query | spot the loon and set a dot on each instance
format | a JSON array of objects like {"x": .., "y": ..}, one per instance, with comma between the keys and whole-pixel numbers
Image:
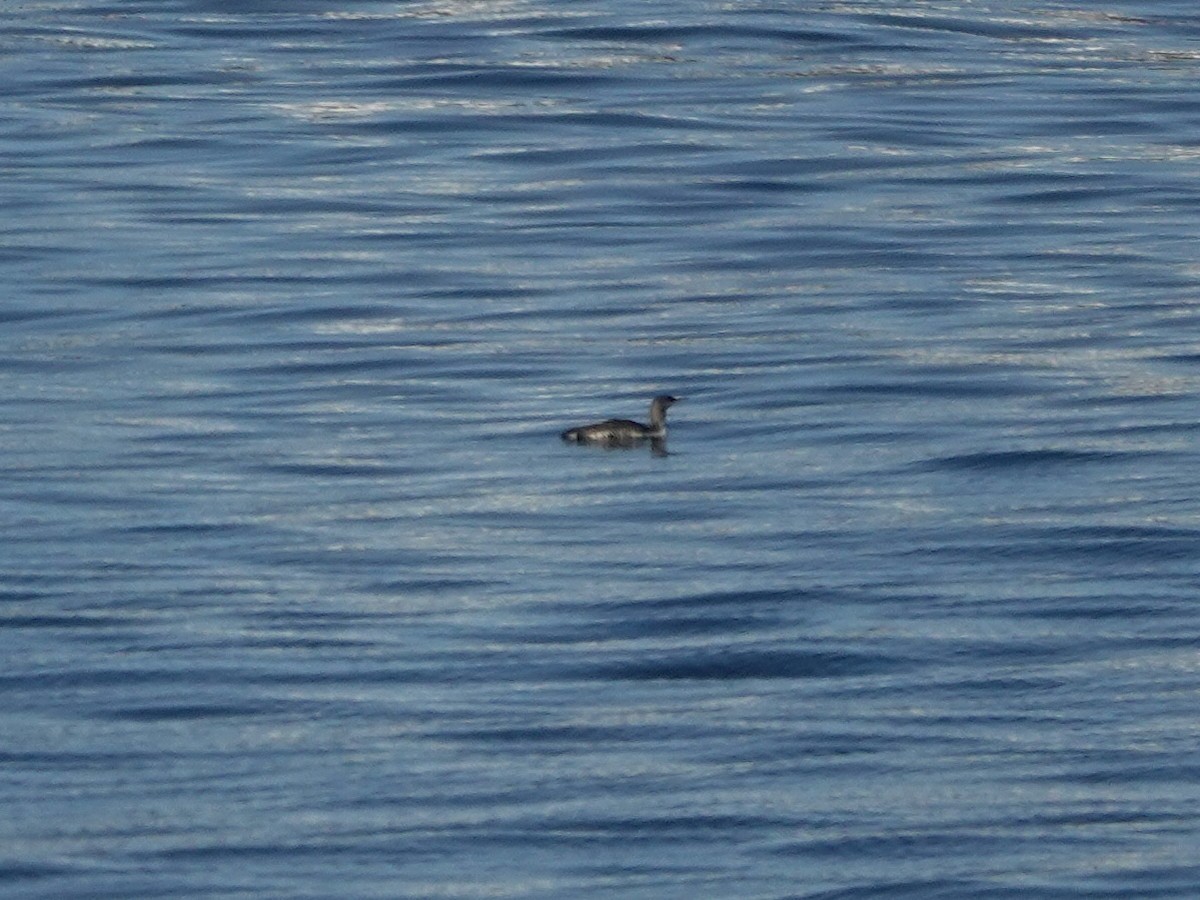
[{"x": 625, "y": 432}]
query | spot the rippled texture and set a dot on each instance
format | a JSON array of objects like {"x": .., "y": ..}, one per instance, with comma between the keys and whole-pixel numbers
[{"x": 301, "y": 595}]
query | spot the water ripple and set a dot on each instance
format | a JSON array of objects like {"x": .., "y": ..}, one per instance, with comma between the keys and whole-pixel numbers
[{"x": 300, "y": 585}]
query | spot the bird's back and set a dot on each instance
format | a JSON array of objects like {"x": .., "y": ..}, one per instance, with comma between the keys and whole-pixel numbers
[{"x": 607, "y": 432}]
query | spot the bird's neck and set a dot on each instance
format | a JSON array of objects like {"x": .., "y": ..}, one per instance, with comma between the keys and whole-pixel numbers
[{"x": 658, "y": 417}]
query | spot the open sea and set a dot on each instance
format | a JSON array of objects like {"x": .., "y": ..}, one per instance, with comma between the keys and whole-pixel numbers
[{"x": 301, "y": 596}]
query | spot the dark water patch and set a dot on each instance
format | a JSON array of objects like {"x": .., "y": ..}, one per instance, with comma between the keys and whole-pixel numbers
[
  {"x": 193, "y": 280},
  {"x": 479, "y": 670},
  {"x": 326, "y": 367},
  {"x": 663, "y": 830},
  {"x": 339, "y": 469},
  {"x": 1125, "y": 543},
  {"x": 1109, "y": 556},
  {"x": 549, "y": 738},
  {"x": 189, "y": 712},
  {"x": 318, "y": 618},
  {"x": 136, "y": 82},
  {"x": 651, "y": 122},
  {"x": 477, "y": 290},
  {"x": 818, "y": 168},
  {"x": 680, "y": 626},
  {"x": 159, "y": 146},
  {"x": 735, "y": 665},
  {"x": 1018, "y": 460},
  {"x": 15, "y": 873},
  {"x": 764, "y": 186},
  {"x": 285, "y": 28},
  {"x": 93, "y": 759},
  {"x": 750, "y": 599},
  {"x": 1166, "y": 771},
  {"x": 60, "y": 621},
  {"x": 1064, "y": 196},
  {"x": 1095, "y": 401},
  {"x": 267, "y": 851},
  {"x": 293, "y": 315},
  {"x": 840, "y": 753},
  {"x": 674, "y": 33},
  {"x": 1117, "y": 125},
  {"x": 320, "y": 644},
  {"x": 12, "y": 595},
  {"x": 932, "y": 889},
  {"x": 1164, "y": 880},
  {"x": 12, "y": 252},
  {"x": 507, "y": 79},
  {"x": 373, "y": 207},
  {"x": 1188, "y": 358},
  {"x": 952, "y": 388},
  {"x": 1081, "y": 814},
  {"x": 591, "y": 154},
  {"x": 1134, "y": 609},
  {"x": 195, "y": 529},
  {"x": 417, "y": 585},
  {"x": 1013, "y": 685},
  {"x": 908, "y": 843},
  {"x": 996, "y": 657},
  {"x": 94, "y": 679},
  {"x": 442, "y": 127},
  {"x": 265, "y": 346},
  {"x": 976, "y": 26},
  {"x": 60, "y": 363},
  {"x": 389, "y": 557},
  {"x": 594, "y": 633}
]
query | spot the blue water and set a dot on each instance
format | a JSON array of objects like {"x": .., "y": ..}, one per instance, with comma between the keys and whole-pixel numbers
[{"x": 301, "y": 595}]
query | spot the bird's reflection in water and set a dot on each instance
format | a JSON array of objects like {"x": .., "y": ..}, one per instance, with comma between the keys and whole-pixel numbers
[{"x": 657, "y": 445}]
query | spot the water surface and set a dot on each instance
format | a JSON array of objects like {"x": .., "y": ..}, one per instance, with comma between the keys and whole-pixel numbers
[{"x": 301, "y": 595}]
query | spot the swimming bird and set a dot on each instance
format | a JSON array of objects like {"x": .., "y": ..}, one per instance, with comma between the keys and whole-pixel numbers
[{"x": 625, "y": 432}]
